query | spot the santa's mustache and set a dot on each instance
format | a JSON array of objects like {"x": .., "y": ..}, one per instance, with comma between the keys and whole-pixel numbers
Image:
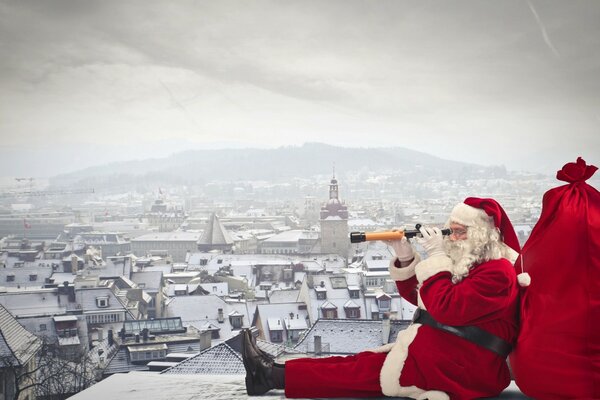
[{"x": 457, "y": 249}]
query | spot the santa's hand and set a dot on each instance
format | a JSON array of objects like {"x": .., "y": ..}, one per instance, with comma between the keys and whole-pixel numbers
[
  {"x": 403, "y": 249},
  {"x": 432, "y": 241}
]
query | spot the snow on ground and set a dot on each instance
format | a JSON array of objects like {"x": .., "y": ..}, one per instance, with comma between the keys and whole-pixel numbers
[{"x": 149, "y": 385}]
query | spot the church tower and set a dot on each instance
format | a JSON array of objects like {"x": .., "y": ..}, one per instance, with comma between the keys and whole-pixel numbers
[{"x": 334, "y": 223}]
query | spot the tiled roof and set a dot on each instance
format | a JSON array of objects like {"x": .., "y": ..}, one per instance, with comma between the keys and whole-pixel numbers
[
  {"x": 219, "y": 360},
  {"x": 17, "y": 345},
  {"x": 345, "y": 336},
  {"x": 215, "y": 233}
]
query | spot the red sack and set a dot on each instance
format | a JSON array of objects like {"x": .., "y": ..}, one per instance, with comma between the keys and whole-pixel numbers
[{"x": 557, "y": 354}]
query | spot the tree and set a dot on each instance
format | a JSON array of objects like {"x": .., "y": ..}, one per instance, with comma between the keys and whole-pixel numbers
[{"x": 47, "y": 373}]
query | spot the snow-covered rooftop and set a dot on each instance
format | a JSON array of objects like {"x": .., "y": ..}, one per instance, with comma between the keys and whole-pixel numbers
[{"x": 150, "y": 385}]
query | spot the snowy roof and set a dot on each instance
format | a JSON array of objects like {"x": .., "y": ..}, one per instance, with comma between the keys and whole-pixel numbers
[
  {"x": 215, "y": 233},
  {"x": 290, "y": 236},
  {"x": 29, "y": 303},
  {"x": 278, "y": 311},
  {"x": 176, "y": 236},
  {"x": 197, "y": 311},
  {"x": 220, "y": 359},
  {"x": 17, "y": 345},
  {"x": 284, "y": 296},
  {"x": 274, "y": 324},
  {"x": 151, "y": 280},
  {"x": 345, "y": 336},
  {"x": 164, "y": 386}
]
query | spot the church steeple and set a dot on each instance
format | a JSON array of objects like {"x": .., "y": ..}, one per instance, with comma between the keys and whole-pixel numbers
[{"x": 333, "y": 186}]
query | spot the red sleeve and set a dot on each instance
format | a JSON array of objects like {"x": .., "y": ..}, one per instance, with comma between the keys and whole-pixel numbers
[
  {"x": 408, "y": 289},
  {"x": 477, "y": 298}
]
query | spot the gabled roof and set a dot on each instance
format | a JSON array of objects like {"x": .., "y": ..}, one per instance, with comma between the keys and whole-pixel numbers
[
  {"x": 215, "y": 233},
  {"x": 17, "y": 345},
  {"x": 217, "y": 360}
]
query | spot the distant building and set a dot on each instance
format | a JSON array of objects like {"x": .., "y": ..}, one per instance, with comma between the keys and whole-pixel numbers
[
  {"x": 334, "y": 223},
  {"x": 47, "y": 225},
  {"x": 215, "y": 237},
  {"x": 145, "y": 345},
  {"x": 166, "y": 218},
  {"x": 177, "y": 244}
]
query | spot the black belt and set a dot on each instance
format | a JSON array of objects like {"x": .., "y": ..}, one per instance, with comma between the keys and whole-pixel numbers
[{"x": 471, "y": 333}]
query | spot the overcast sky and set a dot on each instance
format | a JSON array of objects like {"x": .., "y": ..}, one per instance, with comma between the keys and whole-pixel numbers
[{"x": 511, "y": 82}]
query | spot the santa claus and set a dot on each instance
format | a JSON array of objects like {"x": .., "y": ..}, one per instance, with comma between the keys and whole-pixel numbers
[{"x": 466, "y": 292}]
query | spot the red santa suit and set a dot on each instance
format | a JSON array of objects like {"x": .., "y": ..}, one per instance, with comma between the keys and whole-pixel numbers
[{"x": 426, "y": 362}]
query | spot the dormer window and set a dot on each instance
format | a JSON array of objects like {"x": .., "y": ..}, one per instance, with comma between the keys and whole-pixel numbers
[
  {"x": 321, "y": 293},
  {"x": 32, "y": 277},
  {"x": 384, "y": 302},
  {"x": 10, "y": 278},
  {"x": 102, "y": 302},
  {"x": 236, "y": 322}
]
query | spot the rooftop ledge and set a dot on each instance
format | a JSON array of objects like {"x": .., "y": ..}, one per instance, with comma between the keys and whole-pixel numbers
[{"x": 150, "y": 385}]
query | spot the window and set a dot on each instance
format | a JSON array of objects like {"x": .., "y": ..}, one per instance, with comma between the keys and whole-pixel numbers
[
  {"x": 10, "y": 278},
  {"x": 236, "y": 322},
  {"x": 219, "y": 261},
  {"x": 276, "y": 336},
  {"x": 353, "y": 313},
  {"x": 384, "y": 304},
  {"x": 42, "y": 327},
  {"x": 102, "y": 302},
  {"x": 354, "y": 294},
  {"x": 33, "y": 277},
  {"x": 330, "y": 314}
]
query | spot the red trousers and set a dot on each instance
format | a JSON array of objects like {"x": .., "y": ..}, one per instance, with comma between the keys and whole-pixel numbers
[{"x": 351, "y": 376}]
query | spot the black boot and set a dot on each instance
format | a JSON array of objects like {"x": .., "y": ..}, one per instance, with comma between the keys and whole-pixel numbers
[
  {"x": 259, "y": 368},
  {"x": 252, "y": 342}
]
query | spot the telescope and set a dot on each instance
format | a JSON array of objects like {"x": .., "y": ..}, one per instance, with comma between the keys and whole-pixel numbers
[{"x": 359, "y": 237}]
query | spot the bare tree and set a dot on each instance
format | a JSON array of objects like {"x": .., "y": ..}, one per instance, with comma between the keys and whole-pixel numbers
[{"x": 48, "y": 374}]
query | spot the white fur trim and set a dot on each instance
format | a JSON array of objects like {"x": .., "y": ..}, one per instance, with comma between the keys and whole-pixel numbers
[
  {"x": 431, "y": 266},
  {"x": 420, "y": 301},
  {"x": 524, "y": 279},
  {"x": 386, "y": 348},
  {"x": 433, "y": 395},
  {"x": 404, "y": 273},
  {"x": 467, "y": 215},
  {"x": 389, "y": 377},
  {"x": 511, "y": 255}
]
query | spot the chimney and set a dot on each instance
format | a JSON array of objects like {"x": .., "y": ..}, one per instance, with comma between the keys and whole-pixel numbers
[
  {"x": 111, "y": 339},
  {"x": 137, "y": 337},
  {"x": 385, "y": 328},
  {"x": 71, "y": 293},
  {"x": 145, "y": 334},
  {"x": 318, "y": 347},
  {"x": 220, "y": 318},
  {"x": 74, "y": 265}
]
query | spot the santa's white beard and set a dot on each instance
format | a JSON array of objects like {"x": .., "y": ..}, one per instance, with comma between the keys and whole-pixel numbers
[{"x": 463, "y": 255}]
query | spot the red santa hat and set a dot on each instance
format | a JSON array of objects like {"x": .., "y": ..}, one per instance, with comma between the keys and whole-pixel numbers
[{"x": 483, "y": 212}]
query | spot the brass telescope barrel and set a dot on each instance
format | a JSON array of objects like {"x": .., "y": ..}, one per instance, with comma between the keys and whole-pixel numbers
[{"x": 359, "y": 237}]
